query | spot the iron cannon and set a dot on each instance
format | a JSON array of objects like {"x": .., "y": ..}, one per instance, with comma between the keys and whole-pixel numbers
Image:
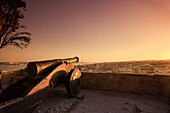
[{"x": 36, "y": 81}]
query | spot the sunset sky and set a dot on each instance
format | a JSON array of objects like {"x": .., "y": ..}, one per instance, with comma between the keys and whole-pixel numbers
[{"x": 95, "y": 30}]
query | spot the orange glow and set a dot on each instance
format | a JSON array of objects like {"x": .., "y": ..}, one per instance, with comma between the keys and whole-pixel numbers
[{"x": 96, "y": 31}]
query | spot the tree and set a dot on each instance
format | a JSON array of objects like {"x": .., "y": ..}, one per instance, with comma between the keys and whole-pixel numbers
[{"x": 10, "y": 16}]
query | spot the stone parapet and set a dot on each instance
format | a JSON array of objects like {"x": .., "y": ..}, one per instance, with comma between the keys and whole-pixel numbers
[{"x": 157, "y": 85}]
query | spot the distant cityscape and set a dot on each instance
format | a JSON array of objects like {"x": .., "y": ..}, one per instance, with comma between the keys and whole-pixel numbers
[
  {"x": 150, "y": 67},
  {"x": 161, "y": 67}
]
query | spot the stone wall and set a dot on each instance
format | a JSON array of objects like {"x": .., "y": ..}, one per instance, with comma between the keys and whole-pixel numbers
[
  {"x": 8, "y": 77},
  {"x": 128, "y": 83}
]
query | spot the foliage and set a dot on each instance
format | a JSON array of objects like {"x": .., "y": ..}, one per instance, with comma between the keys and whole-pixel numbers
[{"x": 10, "y": 16}]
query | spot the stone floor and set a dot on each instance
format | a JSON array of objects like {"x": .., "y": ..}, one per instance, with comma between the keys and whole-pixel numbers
[{"x": 90, "y": 101}]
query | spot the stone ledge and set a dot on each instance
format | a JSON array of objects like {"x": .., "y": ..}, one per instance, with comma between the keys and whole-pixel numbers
[{"x": 157, "y": 85}]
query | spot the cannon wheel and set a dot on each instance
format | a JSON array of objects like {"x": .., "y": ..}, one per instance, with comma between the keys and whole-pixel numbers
[{"x": 73, "y": 82}]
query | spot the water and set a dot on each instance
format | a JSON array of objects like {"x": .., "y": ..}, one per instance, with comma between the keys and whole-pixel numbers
[{"x": 11, "y": 67}]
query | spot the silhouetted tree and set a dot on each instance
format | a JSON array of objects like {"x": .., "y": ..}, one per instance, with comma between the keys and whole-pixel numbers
[{"x": 10, "y": 16}]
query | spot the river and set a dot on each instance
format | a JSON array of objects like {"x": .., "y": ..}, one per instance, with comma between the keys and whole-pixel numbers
[{"x": 11, "y": 67}]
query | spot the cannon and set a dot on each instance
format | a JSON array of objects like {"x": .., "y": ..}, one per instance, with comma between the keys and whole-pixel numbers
[{"x": 40, "y": 77}]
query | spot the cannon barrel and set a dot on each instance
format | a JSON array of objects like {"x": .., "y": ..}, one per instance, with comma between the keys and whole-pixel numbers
[{"x": 34, "y": 68}]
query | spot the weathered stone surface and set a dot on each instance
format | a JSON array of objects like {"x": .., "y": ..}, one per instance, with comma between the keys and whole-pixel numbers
[{"x": 129, "y": 83}]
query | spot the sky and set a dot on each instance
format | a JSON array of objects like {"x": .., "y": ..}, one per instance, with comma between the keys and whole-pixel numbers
[{"x": 95, "y": 30}]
